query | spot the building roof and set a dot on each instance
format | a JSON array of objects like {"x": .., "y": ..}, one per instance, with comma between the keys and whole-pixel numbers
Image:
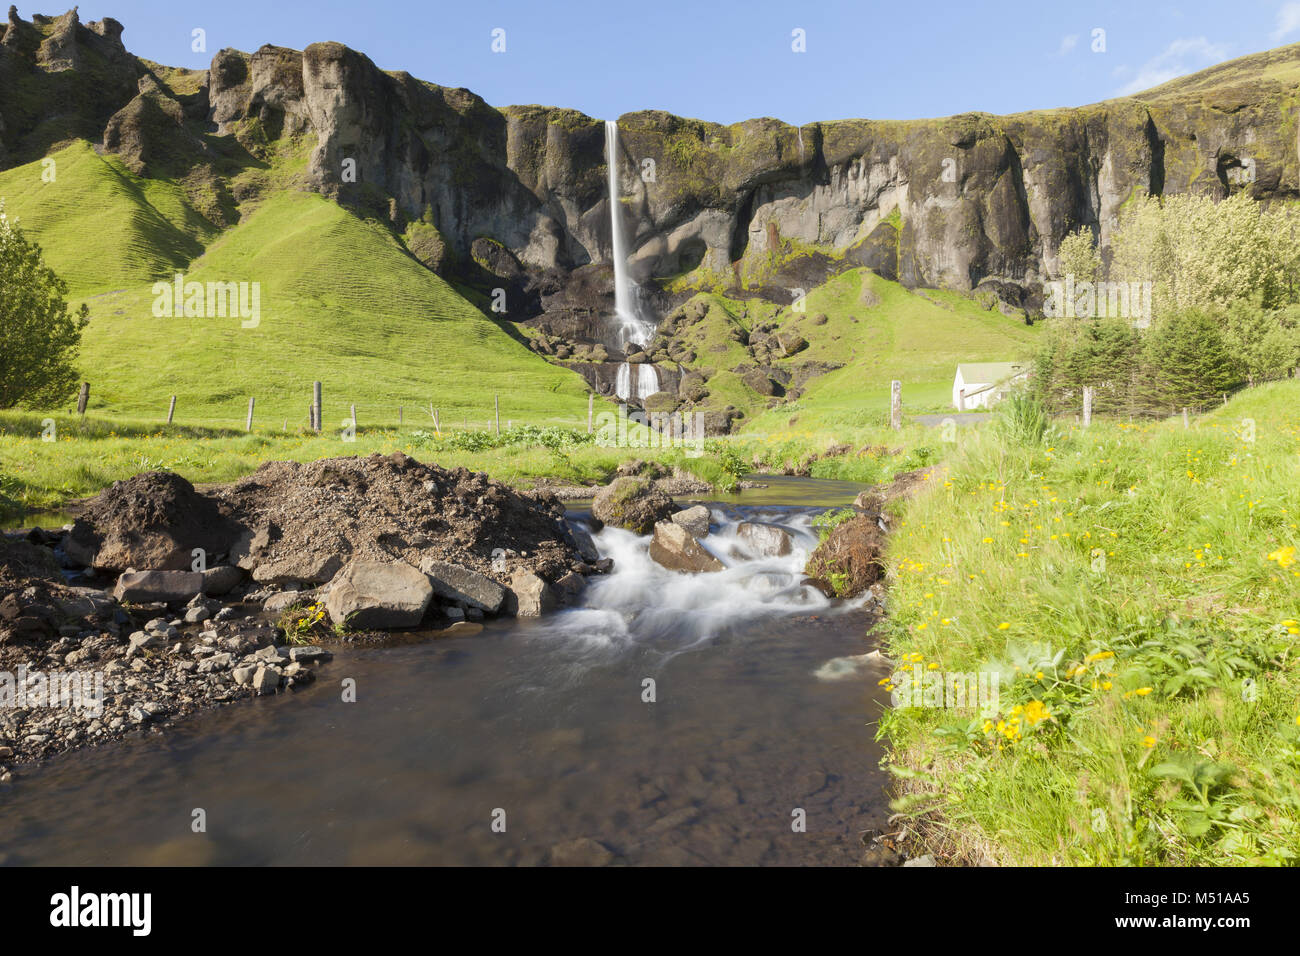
[{"x": 989, "y": 373}]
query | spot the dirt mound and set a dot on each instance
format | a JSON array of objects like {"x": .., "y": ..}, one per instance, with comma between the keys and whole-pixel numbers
[
  {"x": 850, "y": 560},
  {"x": 152, "y": 521},
  {"x": 301, "y": 519}
]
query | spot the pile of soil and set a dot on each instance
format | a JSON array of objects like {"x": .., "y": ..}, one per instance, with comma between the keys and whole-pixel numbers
[
  {"x": 851, "y": 559},
  {"x": 154, "y": 520},
  {"x": 393, "y": 507}
]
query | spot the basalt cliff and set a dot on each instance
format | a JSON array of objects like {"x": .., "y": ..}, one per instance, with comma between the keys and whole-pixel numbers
[{"x": 516, "y": 198}]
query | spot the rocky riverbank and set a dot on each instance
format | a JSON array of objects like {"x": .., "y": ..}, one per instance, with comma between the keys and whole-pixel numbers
[{"x": 161, "y": 599}]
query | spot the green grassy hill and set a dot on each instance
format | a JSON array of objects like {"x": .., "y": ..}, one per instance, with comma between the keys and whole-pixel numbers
[
  {"x": 877, "y": 330},
  {"x": 341, "y": 302}
]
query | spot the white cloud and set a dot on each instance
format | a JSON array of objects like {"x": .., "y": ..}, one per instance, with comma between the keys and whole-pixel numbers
[
  {"x": 1186, "y": 55},
  {"x": 1288, "y": 22},
  {"x": 1068, "y": 43}
]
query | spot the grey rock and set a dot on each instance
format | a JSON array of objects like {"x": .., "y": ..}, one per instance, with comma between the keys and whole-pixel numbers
[
  {"x": 530, "y": 596},
  {"x": 266, "y": 679},
  {"x": 765, "y": 540},
  {"x": 378, "y": 594},
  {"x": 301, "y": 568},
  {"x": 456, "y": 583},
  {"x": 146, "y": 587},
  {"x": 281, "y": 601},
  {"x": 676, "y": 549},
  {"x": 221, "y": 580},
  {"x": 309, "y": 654},
  {"x": 694, "y": 519},
  {"x": 927, "y": 860},
  {"x": 632, "y": 503}
]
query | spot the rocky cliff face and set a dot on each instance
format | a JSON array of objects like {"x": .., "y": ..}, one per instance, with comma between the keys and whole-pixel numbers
[{"x": 966, "y": 202}]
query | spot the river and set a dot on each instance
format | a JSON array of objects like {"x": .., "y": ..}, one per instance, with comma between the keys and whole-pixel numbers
[{"x": 673, "y": 719}]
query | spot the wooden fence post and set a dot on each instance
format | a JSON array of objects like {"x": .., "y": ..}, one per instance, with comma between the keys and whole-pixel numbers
[
  {"x": 171, "y": 410},
  {"x": 895, "y": 404},
  {"x": 1087, "y": 405},
  {"x": 496, "y": 408},
  {"x": 399, "y": 416},
  {"x": 1186, "y": 423},
  {"x": 591, "y": 404},
  {"x": 83, "y": 399},
  {"x": 352, "y": 410},
  {"x": 248, "y": 426},
  {"x": 315, "y": 404}
]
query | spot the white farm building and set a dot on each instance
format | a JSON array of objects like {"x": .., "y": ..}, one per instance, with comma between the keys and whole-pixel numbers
[{"x": 982, "y": 384}]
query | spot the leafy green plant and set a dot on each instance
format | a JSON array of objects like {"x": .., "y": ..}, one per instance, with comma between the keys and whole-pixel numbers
[{"x": 828, "y": 521}]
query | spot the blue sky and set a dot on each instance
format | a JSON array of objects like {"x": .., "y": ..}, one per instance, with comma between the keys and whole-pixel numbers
[{"x": 728, "y": 61}]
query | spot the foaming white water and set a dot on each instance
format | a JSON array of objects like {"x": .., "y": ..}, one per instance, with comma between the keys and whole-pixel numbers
[{"x": 642, "y": 603}]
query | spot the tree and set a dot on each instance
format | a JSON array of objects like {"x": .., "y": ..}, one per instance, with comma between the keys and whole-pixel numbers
[
  {"x": 1201, "y": 254},
  {"x": 1101, "y": 353},
  {"x": 39, "y": 337},
  {"x": 1078, "y": 256},
  {"x": 1188, "y": 363},
  {"x": 1266, "y": 343}
]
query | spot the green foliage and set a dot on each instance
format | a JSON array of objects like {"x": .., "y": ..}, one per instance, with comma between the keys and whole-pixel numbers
[
  {"x": 733, "y": 467},
  {"x": 39, "y": 337},
  {"x": 1188, "y": 362},
  {"x": 1024, "y": 419},
  {"x": 1160, "y": 725},
  {"x": 550, "y": 436},
  {"x": 829, "y": 520},
  {"x": 1199, "y": 253},
  {"x": 1078, "y": 256}
]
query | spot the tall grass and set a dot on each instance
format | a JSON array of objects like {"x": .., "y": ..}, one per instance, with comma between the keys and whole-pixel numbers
[{"x": 1138, "y": 586}]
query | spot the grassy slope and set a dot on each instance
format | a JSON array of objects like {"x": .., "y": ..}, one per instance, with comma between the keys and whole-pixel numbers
[
  {"x": 100, "y": 227},
  {"x": 341, "y": 302},
  {"x": 997, "y": 568},
  {"x": 904, "y": 337}
]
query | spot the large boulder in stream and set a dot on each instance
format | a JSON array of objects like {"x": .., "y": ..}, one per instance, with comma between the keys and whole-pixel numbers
[
  {"x": 695, "y": 520},
  {"x": 765, "y": 540},
  {"x": 677, "y": 550},
  {"x": 377, "y": 595},
  {"x": 463, "y": 586},
  {"x": 632, "y": 503}
]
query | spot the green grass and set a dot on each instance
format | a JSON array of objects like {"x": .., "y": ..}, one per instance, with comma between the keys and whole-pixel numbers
[
  {"x": 1166, "y": 548},
  {"x": 100, "y": 227},
  {"x": 87, "y": 456},
  {"x": 342, "y": 302},
  {"x": 904, "y": 337}
]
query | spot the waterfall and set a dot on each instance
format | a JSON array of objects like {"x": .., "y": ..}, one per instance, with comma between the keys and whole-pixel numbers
[
  {"x": 639, "y": 381},
  {"x": 631, "y": 328}
]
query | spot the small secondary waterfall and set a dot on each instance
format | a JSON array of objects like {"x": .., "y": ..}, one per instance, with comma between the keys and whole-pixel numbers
[
  {"x": 632, "y": 327},
  {"x": 636, "y": 381}
]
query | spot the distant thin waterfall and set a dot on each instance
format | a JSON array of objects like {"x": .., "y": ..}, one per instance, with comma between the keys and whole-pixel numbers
[{"x": 632, "y": 328}]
